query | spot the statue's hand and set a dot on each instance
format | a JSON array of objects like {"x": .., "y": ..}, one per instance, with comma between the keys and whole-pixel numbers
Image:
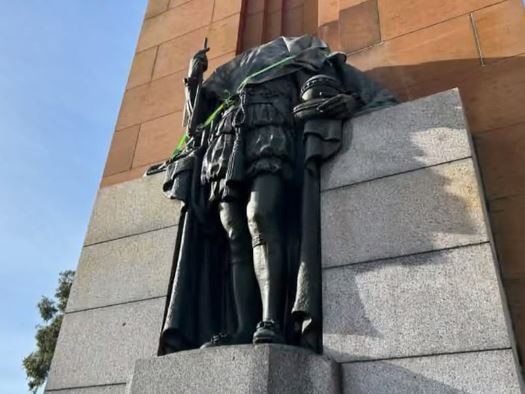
[
  {"x": 342, "y": 106},
  {"x": 198, "y": 63}
]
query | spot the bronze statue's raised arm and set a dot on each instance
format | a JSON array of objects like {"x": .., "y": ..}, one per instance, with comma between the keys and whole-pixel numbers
[{"x": 193, "y": 85}]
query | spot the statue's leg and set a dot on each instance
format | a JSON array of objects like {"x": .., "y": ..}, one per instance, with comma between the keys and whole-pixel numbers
[
  {"x": 264, "y": 212},
  {"x": 244, "y": 284}
]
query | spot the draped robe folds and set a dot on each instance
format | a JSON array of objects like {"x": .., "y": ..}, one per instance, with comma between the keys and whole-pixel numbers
[{"x": 199, "y": 302}]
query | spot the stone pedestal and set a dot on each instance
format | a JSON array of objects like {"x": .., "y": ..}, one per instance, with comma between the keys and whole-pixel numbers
[{"x": 260, "y": 369}]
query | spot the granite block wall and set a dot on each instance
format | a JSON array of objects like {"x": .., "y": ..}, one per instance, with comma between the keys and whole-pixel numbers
[
  {"x": 412, "y": 298},
  {"x": 117, "y": 301}
]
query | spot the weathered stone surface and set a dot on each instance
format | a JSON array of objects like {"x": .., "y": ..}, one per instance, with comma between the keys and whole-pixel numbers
[
  {"x": 276, "y": 369},
  {"x": 111, "y": 389},
  {"x": 127, "y": 269},
  {"x": 498, "y": 104},
  {"x": 125, "y": 176},
  {"x": 508, "y": 225},
  {"x": 174, "y": 55},
  {"x": 175, "y": 23},
  {"x": 409, "y": 136},
  {"x": 157, "y": 138},
  {"x": 402, "y": 16},
  {"x": 223, "y": 35},
  {"x": 100, "y": 346},
  {"x": 146, "y": 102},
  {"x": 121, "y": 151},
  {"x": 142, "y": 67},
  {"x": 500, "y": 156},
  {"x": 359, "y": 25},
  {"x": 489, "y": 372},
  {"x": 427, "y": 209},
  {"x": 156, "y": 7},
  {"x": 439, "y": 302},
  {"x": 130, "y": 208},
  {"x": 501, "y": 31}
]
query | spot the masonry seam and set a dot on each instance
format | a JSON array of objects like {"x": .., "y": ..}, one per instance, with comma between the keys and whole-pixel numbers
[
  {"x": 170, "y": 74},
  {"x": 386, "y": 259},
  {"x": 129, "y": 235},
  {"x": 476, "y": 38},
  {"x": 134, "y": 149},
  {"x": 478, "y": 134},
  {"x": 86, "y": 387},
  {"x": 150, "y": 119},
  {"x": 499, "y": 198},
  {"x": 494, "y": 349},
  {"x": 392, "y": 175},
  {"x": 466, "y": 73},
  {"x": 116, "y": 304},
  {"x": 104, "y": 177},
  {"x": 443, "y": 21},
  {"x": 188, "y": 32}
]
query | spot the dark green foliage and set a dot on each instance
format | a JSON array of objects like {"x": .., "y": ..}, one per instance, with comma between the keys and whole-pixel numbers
[
  {"x": 47, "y": 308},
  {"x": 52, "y": 311}
]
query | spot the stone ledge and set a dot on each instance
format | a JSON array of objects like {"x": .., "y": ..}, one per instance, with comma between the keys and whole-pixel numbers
[
  {"x": 440, "y": 302},
  {"x": 406, "y": 137},
  {"x": 276, "y": 369},
  {"x": 489, "y": 372}
]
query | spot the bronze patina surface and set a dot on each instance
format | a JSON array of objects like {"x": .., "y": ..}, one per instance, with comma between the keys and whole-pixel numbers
[{"x": 247, "y": 267}]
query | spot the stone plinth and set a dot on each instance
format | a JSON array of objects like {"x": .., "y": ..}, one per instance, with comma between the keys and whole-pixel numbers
[{"x": 275, "y": 369}]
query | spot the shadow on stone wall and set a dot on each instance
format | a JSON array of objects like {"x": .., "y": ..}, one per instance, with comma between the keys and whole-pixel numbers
[
  {"x": 394, "y": 379},
  {"x": 493, "y": 94}
]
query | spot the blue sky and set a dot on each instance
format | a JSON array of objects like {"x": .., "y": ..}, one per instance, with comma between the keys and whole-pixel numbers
[{"x": 63, "y": 68}]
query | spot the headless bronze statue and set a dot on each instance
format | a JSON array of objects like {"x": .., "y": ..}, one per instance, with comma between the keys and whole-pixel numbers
[{"x": 248, "y": 266}]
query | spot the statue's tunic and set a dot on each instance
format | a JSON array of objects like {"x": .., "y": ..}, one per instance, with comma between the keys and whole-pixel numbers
[{"x": 255, "y": 135}]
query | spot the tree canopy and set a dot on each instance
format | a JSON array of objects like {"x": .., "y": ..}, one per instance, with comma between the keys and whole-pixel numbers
[{"x": 52, "y": 311}]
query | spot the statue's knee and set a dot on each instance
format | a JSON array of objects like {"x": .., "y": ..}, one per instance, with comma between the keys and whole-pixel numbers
[
  {"x": 262, "y": 223},
  {"x": 235, "y": 233},
  {"x": 257, "y": 219},
  {"x": 240, "y": 241},
  {"x": 233, "y": 224}
]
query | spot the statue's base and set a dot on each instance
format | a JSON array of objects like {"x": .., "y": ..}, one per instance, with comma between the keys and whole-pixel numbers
[{"x": 237, "y": 369}]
